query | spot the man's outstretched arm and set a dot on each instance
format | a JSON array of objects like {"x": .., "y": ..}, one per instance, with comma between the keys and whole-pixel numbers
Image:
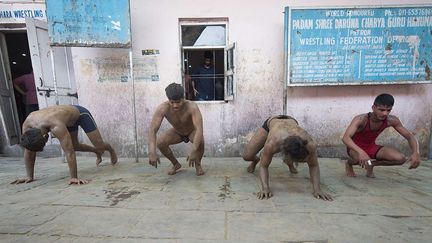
[
  {"x": 154, "y": 128},
  {"x": 29, "y": 160},
  {"x": 63, "y": 135},
  {"x": 266, "y": 158},
  {"x": 347, "y": 139},
  {"x": 198, "y": 125},
  {"x": 314, "y": 172},
  {"x": 412, "y": 141}
]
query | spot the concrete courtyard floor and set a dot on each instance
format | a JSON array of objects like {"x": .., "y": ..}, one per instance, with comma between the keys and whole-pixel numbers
[{"x": 133, "y": 202}]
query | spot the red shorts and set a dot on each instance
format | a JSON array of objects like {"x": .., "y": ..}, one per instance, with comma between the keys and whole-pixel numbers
[{"x": 371, "y": 150}]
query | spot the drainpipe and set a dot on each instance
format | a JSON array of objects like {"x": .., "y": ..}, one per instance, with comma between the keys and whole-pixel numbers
[
  {"x": 286, "y": 60},
  {"x": 430, "y": 142},
  {"x": 133, "y": 104},
  {"x": 133, "y": 89},
  {"x": 54, "y": 76}
]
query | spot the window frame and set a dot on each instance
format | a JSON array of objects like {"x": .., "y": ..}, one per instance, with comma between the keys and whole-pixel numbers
[{"x": 227, "y": 72}]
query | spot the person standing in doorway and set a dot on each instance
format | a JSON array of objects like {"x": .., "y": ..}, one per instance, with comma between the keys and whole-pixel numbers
[{"x": 25, "y": 85}]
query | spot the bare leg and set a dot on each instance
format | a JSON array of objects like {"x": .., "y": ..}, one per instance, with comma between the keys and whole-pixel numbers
[
  {"x": 84, "y": 147},
  {"x": 253, "y": 164},
  {"x": 349, "y": 170},
  {"x": 291, "y": 167},
  {"x": 253, "y": 147},
  {"x": 386, "y": 157},
  {"x": 165, "y": 139},
  {"x": 174, "y": 169},
  {"x": 96, "y": 139},
  {"x": 198, "y": 169}
]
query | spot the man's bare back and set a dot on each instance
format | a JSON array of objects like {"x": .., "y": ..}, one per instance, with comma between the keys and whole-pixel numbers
[
  {"x": 282, "y": 128},
  {"x": 52, "y": 116}
]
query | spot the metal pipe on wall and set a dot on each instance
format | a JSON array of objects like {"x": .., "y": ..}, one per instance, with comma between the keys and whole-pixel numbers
[
  {"x": 286, "y": 54},
  {"x": 133, "y": 104}
]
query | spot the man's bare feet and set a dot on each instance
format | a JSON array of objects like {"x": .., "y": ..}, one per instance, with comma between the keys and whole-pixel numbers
[
  {"x": 251, "y": 167},
  {"x": 199, "y": 170},
  {"x": 174, "y": 169},
  {"x": 369, "y": 172},
  {"x": 114, "y": 158},
  {"x": 98, "y": 159},
  {"x": 292, "y": 169},
  {"x": 349, "y": 171}
]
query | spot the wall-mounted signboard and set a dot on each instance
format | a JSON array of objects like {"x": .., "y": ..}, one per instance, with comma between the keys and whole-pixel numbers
[
  {"x": 96, "y": 23},
  {"x": 16, "y": 13},
  {"x": 358, "y": 45}
]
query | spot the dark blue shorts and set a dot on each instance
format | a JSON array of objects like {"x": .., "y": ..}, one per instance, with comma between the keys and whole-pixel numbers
[{"x": 85, "y": 121}]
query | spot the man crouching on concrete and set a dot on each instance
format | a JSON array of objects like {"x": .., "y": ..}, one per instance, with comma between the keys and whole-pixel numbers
[
  {"x": 186, "y": 119},
  {"x": 62, "y": 121},
  {"x": 283, "y": 134}
]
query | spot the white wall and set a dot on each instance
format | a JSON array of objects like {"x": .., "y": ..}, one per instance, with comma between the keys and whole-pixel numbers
[{"x": 258, "y": 30}]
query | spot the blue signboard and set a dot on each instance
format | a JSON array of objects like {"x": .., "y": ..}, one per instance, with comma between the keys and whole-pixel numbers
[
  {"x": 358, "y": 45},
  {"x": 95, "y": 23}
]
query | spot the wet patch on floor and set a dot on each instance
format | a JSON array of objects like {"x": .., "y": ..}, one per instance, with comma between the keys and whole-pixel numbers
[
  {"x": 225, "y": 190},
  {"x": 114, "y": 181},
  {"x": 117, "y": 195}
]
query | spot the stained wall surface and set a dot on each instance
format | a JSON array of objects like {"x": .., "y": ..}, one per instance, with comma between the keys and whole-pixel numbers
[{"x": 258, "y": 31}]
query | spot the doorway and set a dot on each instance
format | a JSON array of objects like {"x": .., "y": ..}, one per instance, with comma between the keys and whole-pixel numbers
[{"x": 19, "y": 65}]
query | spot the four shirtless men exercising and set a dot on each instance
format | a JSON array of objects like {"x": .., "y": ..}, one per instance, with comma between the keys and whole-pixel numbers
[{"x": 277, "y": 134}]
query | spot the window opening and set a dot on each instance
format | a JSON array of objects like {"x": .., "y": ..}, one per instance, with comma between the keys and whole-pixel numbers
[{"x": 204, "y": 60}]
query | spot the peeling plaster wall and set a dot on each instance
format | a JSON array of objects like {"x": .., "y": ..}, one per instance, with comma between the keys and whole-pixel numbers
[{"x": 258, "y": 30}]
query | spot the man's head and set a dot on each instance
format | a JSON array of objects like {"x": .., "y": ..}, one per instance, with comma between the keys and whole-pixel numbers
[
  {"x": 295, "y": 148},
  {"x": 34, "y": 139},
  {"x": 384, "y": 100},
  {"x": 382, "y": 106},
  {"x": 175, "y": 93},
  {"x": 208, "y": 58}
]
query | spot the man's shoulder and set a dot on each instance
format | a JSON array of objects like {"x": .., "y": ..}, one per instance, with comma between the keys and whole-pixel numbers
[
  {"x": 164, "y": 106},
  {"x": 393, "y": 120},
  {"x": 190, "y": 105},
  {"x": 361, "y": 117}
]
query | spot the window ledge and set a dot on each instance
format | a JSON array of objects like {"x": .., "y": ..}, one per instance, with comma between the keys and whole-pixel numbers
[{"x": 209, "y": 101}]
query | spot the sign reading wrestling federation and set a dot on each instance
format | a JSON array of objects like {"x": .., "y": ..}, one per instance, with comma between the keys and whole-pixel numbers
[{"x": 359, "y": 45}]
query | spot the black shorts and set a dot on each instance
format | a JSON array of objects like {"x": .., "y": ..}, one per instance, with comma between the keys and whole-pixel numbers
[
  {"x": 85, "y": 121},
  {"x": 185, "y": 139},
  {"x": 265, "y": 124}
]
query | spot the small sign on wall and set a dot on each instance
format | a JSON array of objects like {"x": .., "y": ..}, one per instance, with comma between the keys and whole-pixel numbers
[
  {"x": 96, "y": 23},
  {"x": 118, "y": 69},
  {"x": 17, "y": 13}
]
